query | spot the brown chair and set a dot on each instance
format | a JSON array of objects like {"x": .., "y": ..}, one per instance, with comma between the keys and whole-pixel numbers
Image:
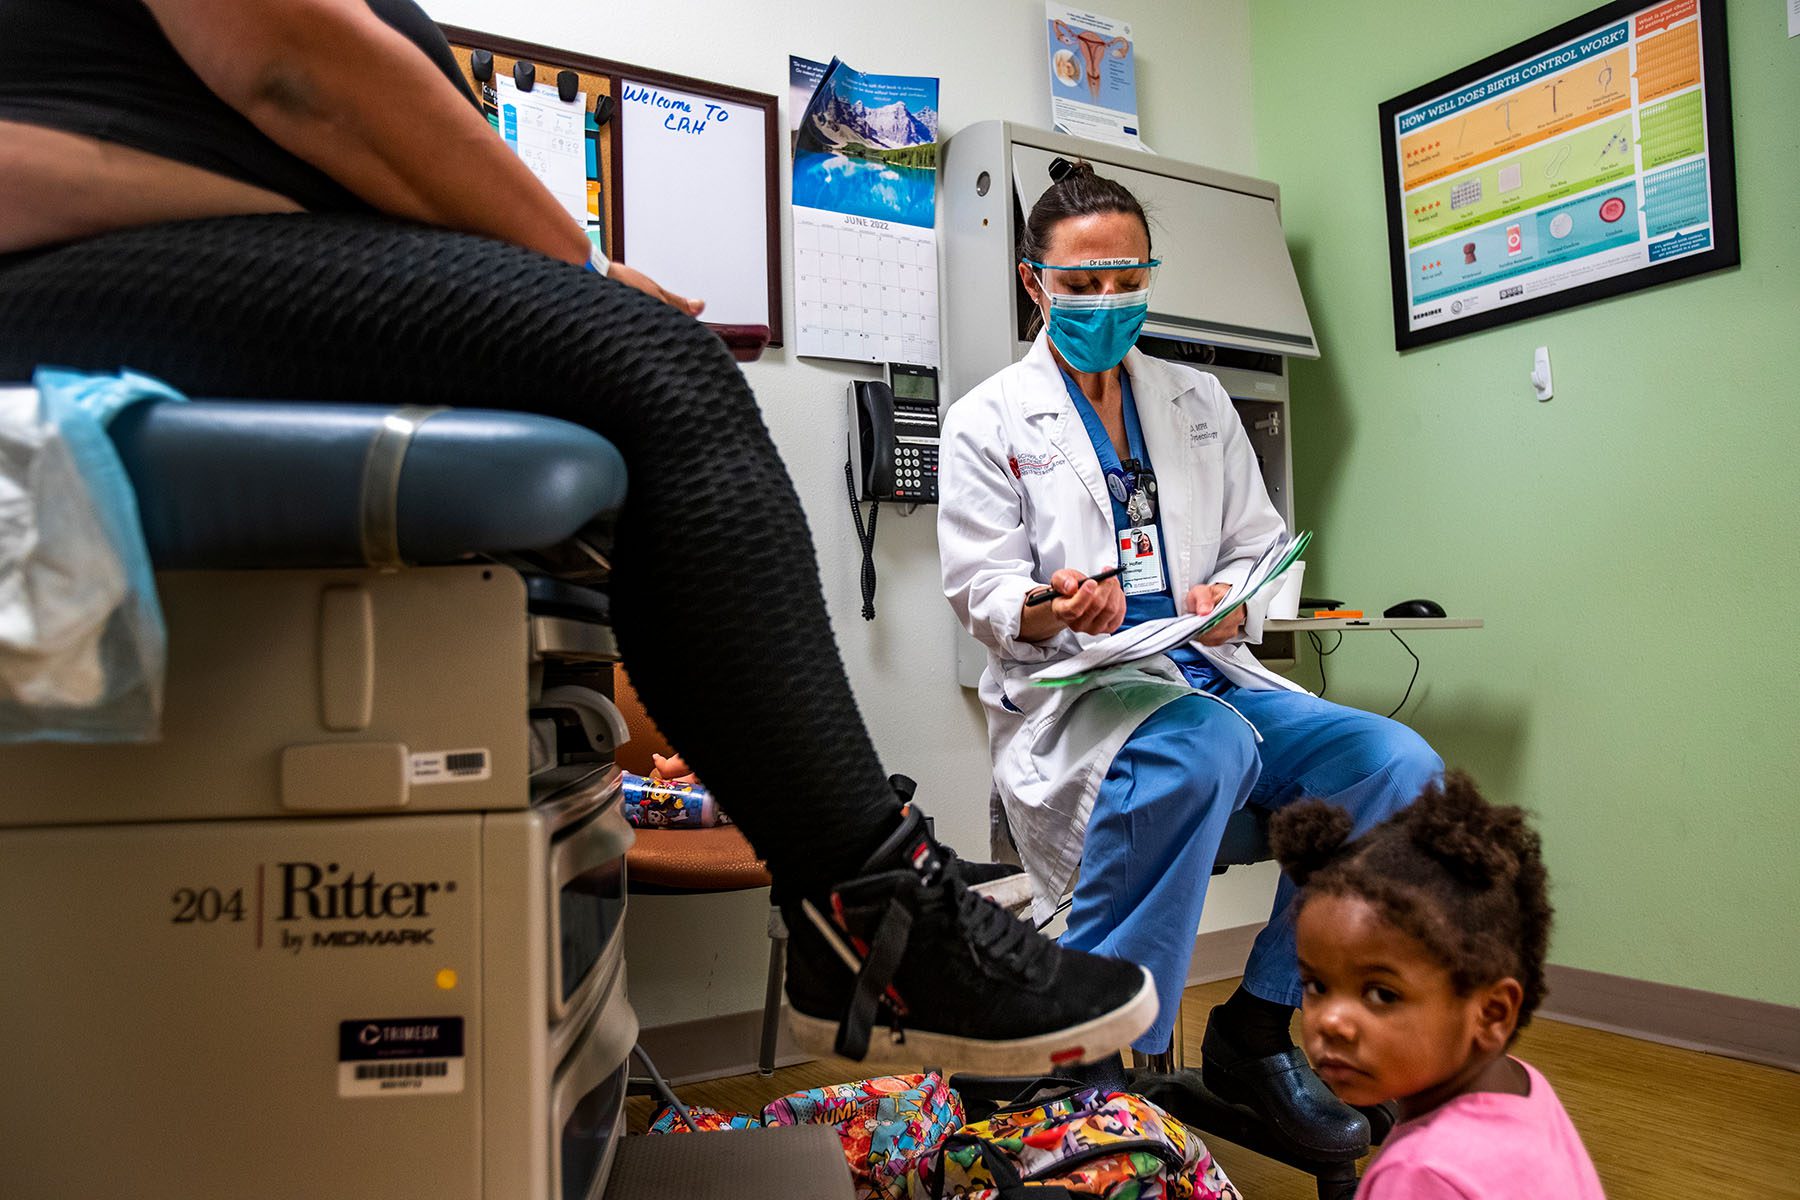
[{"x": 678, "y": 862}]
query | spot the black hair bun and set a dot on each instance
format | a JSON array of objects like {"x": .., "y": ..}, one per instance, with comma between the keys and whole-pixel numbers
[
  {"x": 1307, "y": 836},
  {"x": 1478, "y": 843}
]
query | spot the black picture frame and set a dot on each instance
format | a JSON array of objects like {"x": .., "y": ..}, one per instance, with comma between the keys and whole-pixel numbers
[{"x": 1715, "y": 84}]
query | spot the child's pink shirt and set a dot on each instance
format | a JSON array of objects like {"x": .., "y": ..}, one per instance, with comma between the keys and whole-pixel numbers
[{"x": 1486, "y": 1145}]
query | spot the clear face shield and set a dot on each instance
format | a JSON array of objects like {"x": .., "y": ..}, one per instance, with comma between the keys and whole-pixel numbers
[{"x": 1097, "y": 283}]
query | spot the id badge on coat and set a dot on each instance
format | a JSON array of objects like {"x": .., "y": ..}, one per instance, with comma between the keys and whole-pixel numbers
[{"x": 1140, "y": 553}]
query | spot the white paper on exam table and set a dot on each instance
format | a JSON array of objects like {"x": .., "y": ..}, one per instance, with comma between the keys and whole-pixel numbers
[{"x": 1166, "y": 633}]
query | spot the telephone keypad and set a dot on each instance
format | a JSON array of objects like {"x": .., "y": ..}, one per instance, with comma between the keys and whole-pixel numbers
[
  {"x": 915, "y": 450},
  {"x": 915, "y": 473}
]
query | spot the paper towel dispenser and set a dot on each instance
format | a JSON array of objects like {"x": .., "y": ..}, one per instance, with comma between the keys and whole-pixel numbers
[
  {"x": 1226, "y": 280},
  {"x": 1226, "y": 275}
]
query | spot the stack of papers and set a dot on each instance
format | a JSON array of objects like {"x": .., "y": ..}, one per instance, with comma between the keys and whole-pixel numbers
[{"x": 1161, "y": 636}]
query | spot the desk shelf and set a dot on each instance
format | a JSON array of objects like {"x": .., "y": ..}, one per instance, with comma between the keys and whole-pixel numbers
[{"x": 1341, "y": 625}]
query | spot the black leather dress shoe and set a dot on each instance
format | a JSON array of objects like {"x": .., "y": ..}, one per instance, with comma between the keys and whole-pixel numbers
[
  {"x": 1381, "y": 1117},
  {"x": 1284, "y": 1091}
]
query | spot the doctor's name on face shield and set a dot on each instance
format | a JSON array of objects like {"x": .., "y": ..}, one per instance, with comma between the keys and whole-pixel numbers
[{"x": 1097, "y": 307}]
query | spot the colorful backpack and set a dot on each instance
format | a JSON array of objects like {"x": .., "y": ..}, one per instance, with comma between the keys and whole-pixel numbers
[
  {"x": 887, "y": 1126},
  {"x": 706, "y": 1120},
  {"x": 1081, "y": 1143}
]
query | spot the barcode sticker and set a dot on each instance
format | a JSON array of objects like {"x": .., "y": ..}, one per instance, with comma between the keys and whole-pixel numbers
[
  {"x": 403, "y": 1056},
  {"x": 450, "y": 766},
  {"x": 414, "y": 1069}
]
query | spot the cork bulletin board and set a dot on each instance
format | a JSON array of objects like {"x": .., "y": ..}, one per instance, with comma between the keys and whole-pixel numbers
[{"x": 688, "y": 172}]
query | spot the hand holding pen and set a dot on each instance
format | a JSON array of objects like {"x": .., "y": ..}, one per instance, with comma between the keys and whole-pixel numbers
[
  {"x": 1084, "y": 603},
  {"x": 1045, "y": 595}
]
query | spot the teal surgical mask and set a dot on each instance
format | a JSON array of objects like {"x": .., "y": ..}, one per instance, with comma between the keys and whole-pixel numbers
[{"x": 1094, "y": 329}]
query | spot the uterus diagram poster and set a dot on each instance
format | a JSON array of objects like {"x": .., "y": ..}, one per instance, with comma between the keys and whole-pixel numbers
[
  {"x": 1093, "y": 77},
  {"x": 865, "y": 213},
  {"x": 1593, "y": 160}
]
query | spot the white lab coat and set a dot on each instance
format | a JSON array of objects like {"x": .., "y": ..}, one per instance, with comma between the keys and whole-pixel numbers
[{"x": 1021, "y": 495}]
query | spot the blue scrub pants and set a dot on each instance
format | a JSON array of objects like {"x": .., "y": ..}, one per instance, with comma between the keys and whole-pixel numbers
[{"x": 1161, "y": 811}]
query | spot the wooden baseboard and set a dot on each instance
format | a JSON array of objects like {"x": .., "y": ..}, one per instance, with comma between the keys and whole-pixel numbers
[
  {"x": 1221, "y": 953},
  {"x": 1753, "y": 1030}
]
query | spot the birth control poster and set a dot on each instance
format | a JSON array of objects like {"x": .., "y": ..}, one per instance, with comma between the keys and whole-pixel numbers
[
  {"x": 1093, "y": 76},
  {"x": 1592, "y": 160}
]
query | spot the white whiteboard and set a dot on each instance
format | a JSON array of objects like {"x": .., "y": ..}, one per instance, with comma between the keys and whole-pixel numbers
[{"x": 694, "y": 197}]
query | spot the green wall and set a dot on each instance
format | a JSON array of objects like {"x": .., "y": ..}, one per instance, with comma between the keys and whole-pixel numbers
[{"x": 1631, "y": 543}]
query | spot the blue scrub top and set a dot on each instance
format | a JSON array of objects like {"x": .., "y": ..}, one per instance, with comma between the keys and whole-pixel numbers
[{"x": 1147, "y": 606}]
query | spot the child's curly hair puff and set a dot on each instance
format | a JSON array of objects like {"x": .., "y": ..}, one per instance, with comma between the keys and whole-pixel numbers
[{"x": 1462, "y": 876}]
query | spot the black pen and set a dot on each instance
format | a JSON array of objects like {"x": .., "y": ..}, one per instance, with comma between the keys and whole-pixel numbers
[{"x": 1045, "y": 595}]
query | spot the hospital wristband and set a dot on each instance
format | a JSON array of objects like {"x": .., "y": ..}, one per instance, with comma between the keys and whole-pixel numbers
[{"x": 597, "y": 262}]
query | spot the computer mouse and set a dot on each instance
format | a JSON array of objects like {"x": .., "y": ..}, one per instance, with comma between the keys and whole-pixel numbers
[{"x": 1415, "y": 608}]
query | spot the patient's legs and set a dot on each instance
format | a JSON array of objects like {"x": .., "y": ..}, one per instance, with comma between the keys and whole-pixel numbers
[
  {"x": 715, "y": 586},
  {"x": 1151, "y": 841},
  {"x": 716, "y": 582}
]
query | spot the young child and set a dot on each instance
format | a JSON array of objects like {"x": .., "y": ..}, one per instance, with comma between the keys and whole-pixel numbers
[{"x": 1422, "y": 955}]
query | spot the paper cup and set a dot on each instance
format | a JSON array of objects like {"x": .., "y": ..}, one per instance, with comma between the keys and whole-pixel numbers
[{"x": 1286, "y": 604}]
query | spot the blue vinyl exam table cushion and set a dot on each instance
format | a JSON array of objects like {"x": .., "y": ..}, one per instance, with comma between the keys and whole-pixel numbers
[{"x": 249, "y": 484}]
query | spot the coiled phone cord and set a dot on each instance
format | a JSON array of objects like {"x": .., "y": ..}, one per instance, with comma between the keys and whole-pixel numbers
[{"x": 867, "y": 539}]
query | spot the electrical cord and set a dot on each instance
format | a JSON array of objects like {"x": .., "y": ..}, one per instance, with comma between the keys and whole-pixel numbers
[
  {"x": 1415, "y": 674},
  {"x": 664, "y": 1091},
  {"x": 1060, "y": 910},
  {"x": 1318, "y": 645},
  {"x": 867, "y": 539}
]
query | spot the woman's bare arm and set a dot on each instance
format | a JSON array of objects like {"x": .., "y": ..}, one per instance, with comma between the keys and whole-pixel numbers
[{"x": 333, "y": 84}]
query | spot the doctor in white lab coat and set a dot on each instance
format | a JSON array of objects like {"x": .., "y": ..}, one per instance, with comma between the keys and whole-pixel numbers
[{"x": 1088, "y": 454}]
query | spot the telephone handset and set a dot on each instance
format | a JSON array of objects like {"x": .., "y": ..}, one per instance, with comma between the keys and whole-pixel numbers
[{"x": 894, "y": 433}]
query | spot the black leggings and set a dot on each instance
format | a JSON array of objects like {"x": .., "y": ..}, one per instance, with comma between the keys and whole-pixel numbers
[{"x": 716, "y": 591}]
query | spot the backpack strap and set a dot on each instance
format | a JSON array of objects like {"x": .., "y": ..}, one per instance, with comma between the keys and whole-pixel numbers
[
  {"x": 984, "y": 1095},
  {"x": 1008, "y": 1184}
]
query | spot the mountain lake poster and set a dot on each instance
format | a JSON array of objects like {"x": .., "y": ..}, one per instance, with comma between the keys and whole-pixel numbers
[{"x": 865, "y": 212}]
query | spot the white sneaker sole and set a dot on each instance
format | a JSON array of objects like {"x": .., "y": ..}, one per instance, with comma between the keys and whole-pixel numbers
[{"x": 1040, "y": 1055}]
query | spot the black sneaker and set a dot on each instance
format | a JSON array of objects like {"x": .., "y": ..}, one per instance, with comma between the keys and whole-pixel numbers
[
  {"x": 1003, "y": 883},
  {"x": 907, "y": 964}
]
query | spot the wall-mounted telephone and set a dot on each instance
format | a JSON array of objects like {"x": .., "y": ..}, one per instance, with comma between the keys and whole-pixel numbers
[{"x": 893, "y": 434}]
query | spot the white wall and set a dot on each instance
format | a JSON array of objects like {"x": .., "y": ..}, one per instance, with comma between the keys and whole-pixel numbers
[{"x": 697, "y": 957}]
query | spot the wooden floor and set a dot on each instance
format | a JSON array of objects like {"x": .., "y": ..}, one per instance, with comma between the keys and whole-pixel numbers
[{"x": 1659, "y": 1122}]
